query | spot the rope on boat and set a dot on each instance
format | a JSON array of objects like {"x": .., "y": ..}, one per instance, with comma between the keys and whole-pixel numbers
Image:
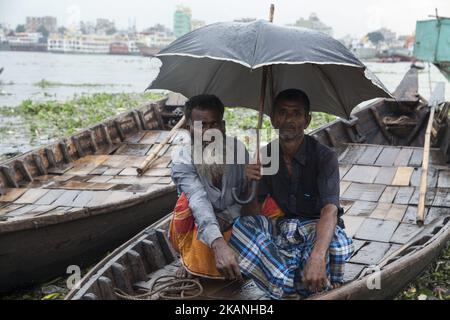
[{"x": 167, "y": 288}]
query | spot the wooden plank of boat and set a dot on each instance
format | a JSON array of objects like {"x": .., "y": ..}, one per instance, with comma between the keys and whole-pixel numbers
[
  {"x": 366, "y": 192},
  {"x": 362, "y": 208},
  {"x": 376, "y": 230},
  {"x": 387, "y": 156},
  {"x": 416, "y": 158},
  {"x": 402, "y": 176},
  {"x": 11, "y": 195},
  {"x": 363, "y": 174},
  {"x": 370, "y": 155},
  {"x": 389, "y": 194},
  {"x": 403, "y": 195},
  {"x": 385, "y": 175},
  {"x": 403, "y": 157},
  {"x": 371, "y": 253}
]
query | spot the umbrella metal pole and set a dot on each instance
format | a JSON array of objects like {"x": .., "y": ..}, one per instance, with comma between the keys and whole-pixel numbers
[{"x": 262, "y": 98}]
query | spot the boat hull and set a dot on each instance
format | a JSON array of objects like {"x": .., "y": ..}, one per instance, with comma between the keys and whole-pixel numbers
[{"x": 44, "y": 253}]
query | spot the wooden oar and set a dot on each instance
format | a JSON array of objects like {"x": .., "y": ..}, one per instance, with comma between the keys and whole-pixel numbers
[
  {"x": 425, "y": 163},
  {"x": 154, "y": 154}
]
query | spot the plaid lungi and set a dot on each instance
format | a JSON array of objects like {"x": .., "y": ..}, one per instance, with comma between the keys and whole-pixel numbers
[{"x": 276, "y": 261}]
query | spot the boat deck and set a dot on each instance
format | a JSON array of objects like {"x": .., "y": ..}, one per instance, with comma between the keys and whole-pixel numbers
[
  {"x": 94, "y": 180},
  {"x": 379, "y": 192}
]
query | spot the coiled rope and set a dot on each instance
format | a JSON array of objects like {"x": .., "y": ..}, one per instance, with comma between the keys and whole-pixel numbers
[{"x": 167, "y": 288}]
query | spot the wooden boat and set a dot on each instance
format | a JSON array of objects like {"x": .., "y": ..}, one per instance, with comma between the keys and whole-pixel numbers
[
  {"x": 70, "y": 202},
  {"x": 380, "y": 154}
]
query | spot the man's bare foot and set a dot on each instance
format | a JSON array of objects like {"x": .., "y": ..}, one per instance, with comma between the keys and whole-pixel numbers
[
  {"x": 182, "y": 273},
  {"x": 336, "y": 285}
]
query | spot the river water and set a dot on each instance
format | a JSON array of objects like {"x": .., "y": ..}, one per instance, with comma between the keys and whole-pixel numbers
[{"x": 72, "y": 74}]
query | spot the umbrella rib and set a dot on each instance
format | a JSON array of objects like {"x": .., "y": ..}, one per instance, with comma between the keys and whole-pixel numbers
[
  {"x": 256, "y": 44},
  {"x": 334, "y": 90}
]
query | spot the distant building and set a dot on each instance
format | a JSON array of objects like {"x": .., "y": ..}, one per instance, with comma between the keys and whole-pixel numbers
[
  {"x": 33, "y": 23},
  {"x": 87, "y": 27},
  {"x": 182, "y": 21},
  {"x": 105, "y": 26},
  {"x": 195, "y": 24},
  {"x": 158, "y": 28},
  {"x": 314, "y": 23}
]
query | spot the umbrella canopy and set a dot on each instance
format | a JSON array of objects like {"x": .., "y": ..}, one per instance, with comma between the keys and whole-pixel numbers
[{"x": 227, "y": 59}]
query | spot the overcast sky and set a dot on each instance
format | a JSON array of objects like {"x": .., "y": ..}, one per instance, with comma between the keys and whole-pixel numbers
[{"x": 354, "y": 17}]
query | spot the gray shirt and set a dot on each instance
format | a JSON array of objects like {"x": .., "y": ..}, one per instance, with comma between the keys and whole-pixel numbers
[{"x": 206, "y": 201}]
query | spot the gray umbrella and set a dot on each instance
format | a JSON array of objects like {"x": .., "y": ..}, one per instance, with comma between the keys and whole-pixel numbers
[
  {"x": 227, "y": 59},
  {"x": 233, "y": 61}
]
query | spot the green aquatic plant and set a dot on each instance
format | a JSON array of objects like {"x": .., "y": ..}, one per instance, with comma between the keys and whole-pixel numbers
[
  {"x": 62, "y": 118},
  {"x": 46, "y": 84},
  {"x": 433, "y": 283}
]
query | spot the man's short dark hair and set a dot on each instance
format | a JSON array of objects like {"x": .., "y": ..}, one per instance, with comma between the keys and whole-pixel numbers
[
  {"x": 292, "y": 95},
  {"x": 203, "y": 102}
]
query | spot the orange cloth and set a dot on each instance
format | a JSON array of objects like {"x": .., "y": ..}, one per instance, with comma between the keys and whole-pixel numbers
[{"x": 197, "y": 257}]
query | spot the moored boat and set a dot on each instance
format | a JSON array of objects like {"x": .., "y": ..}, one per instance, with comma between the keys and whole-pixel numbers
[
  {"x": 390, "y": 179},
  {"x": 70, "y": 202}
]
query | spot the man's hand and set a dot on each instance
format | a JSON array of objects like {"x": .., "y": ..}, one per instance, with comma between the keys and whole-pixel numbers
[
  {"x": 315, "y": 276},
  {"x": 226, "y": 261},
  {"x": 253, "y": 171}
]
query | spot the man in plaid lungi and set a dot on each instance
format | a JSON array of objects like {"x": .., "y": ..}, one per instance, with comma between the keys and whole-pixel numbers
[{"x": 306, "y": 250}]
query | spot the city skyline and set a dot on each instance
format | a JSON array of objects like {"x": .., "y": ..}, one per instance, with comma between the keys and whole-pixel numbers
[{"x": 366, "y": 17}]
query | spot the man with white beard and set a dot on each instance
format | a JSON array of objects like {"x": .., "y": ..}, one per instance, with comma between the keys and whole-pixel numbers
[{"x": 205, "y": 171}]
